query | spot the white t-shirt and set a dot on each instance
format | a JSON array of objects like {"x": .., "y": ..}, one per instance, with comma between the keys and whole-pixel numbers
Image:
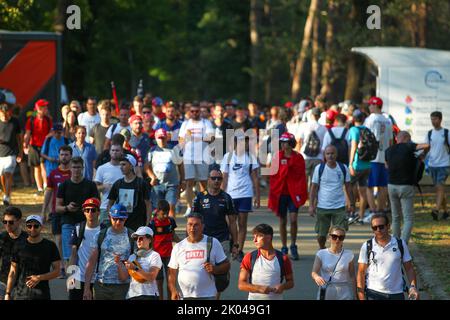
[
  {"x": 149, "y": 288},
  {"x": 382, "y": 129},
  {"x": 189, "y": 258},
  {"x": 337, "y": 131},
  {"x": 194, "y": 132},
  {"x": 107, "y": 174},
  {"x": 294, "y": 127},
  {"x": 385, "y": 268},
  {"x": 266, "y": 273},
  {"x": 438, "y": 155},
  {"x": 306, "y": 129},
  {"x": 85, "y": 119},
  {"x": 84, "y": 252},
  {"x": 331, "y": 192},
  {"x": 117, "y": 128},
  {"x": 239, "y": 180},
  {"x": 329, "y": 259}
]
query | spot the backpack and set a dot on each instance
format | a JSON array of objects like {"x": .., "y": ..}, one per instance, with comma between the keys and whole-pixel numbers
[
  {"x": 222, "y": 281},
  {"x": 312, "y": 146},
  {"x": 341, "y": 146},
  {"x": 102, "y": 237},
  {"x": 368, "y": 145},
  {"x": 402, "y": 252},
  {"x": 279, "y": 255},
  {"x": 47, "y": 144},
  {"x": 322, "y": 168},
  {"x": 446, "y": 142}
]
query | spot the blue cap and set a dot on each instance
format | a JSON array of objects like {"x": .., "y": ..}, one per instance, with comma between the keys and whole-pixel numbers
[{"x": 118, "y": 211}]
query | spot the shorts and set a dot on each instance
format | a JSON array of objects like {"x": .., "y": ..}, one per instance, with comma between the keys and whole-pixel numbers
[
  {"x": 66, "y": 236},
  {"x": 378, "y": 175},
  {"x": 7, "y": 164},
  {"x": 165, "y": 262},
  {"x": 196, "y": 171},
  {"x": 439, "y": 174},
  {"x": 243, "y": 204},
  {"x": 56, "y": 223},
  {"x": 327, "y": 216},
  {"x": 164, "y": 192},
  {"x": 310, "y": 165},
  {"x": 361, "y": 178},
  {"x": 286, "y": 204},
  {"x": 34, "y": 156}
]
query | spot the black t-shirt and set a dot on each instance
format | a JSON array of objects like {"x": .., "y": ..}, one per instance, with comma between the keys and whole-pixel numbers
[
  {"x": 78, "y": 193},
  {"x": 132, "y": 195},
  {"x": 242, "y": 125},
  {"x": 7, "y": 245},
  {"x": 8, "y": 141},
  {"x": 98, "y": 132},
  {"x": 401, "y": 163},
  {"x": 222, "y": 136},
  {"x": 214, "y": 210},
  {"x": 34, "y": 259},
  {"x": 105, "y": 157}
]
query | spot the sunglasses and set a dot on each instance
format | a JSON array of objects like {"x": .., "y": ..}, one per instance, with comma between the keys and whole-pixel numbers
[
  {"x": 119, "y": 219},
  {"x": 90, "y": 210},
  {"x": 335, "y": 237},
  {"x": 10, "y": 222},
  {"x": 33, "y": 226},
  {"x": 216, "y": 178},
  {"x": 380, "y": 227}
]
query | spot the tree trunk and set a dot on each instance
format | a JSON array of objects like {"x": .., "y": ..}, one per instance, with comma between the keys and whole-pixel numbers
[
  {"x": 422, "y": 24},
  {"x": 255, "y": 54},
  {"x": 327, "y": 65},
  {"x": 295, "y": 89},
  {"x": 315, "y": 55},
  {"x": 354, "y": 67},
  {"x": 60, "y": 18}
]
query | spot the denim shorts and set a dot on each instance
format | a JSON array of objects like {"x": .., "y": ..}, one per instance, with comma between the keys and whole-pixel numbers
[
  {"x": 243, "y": 204},
  {"x": 378, "y": 175},
  {"x": 66, "y": 235},
  {"x": 286, "y": 205},
  {"x": 164, "y": 192},
  {"x": 439, "y": 174}
]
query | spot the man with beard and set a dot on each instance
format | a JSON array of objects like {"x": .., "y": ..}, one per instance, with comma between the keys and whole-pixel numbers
[{"x": 172, "y": 126}]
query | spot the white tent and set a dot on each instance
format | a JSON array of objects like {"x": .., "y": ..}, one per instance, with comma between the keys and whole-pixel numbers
[{"x": 413, "y": 82}]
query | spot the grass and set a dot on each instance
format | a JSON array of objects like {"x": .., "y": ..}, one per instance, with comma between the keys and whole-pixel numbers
[{"x": 433, "y": 239}]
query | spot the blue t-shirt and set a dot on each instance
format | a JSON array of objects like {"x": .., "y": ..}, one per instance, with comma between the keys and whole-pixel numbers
[
  {"x": 89, "y": 155},
  {"x": 51, "y": 149},
  {"x": 353, "y": 135},
  {"x": 173, "y": 131}
]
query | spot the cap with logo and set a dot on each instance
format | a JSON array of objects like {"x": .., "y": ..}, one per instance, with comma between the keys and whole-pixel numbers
[
  {"x": 35, "y": 217},
  {"x": 160, "y": 133},
  {"x": 135, "y": 117},
  {"x": 375, "y": 101},
  {"x": 41, "y": 103},
  {"x": 118, "y": 211},
  {"x": 287, "y": 137},
  {"x": 91, "y": 203}
]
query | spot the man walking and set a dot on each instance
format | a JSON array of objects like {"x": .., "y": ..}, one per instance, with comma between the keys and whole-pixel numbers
[
  {"x": 172, "y": 126},
  {"x": 439, "y": 162},
  {"x": 33, "y": 265},
  {"x": 190, "y": 266},
  {"x": 402, "y": 167},
  {"x": 327, "y": 198},
  {"x": 50, "y": 149},
  {"x": 97, "y": 136},
  {"x": 89, "y": 118},
  {"x": 380, "y": 264}
]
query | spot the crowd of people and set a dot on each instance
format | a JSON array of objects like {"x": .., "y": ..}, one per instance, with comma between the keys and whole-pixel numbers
[{"x": 113, "y": 176}]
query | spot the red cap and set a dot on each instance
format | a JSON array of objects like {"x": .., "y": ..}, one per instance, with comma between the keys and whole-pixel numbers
[
  {"x": 160, "y": 133},
  {"x": 41, "y": 103},
  {"x": 331, "y": 114},
  {"x": 376, "y": 101},
  {"x": 135, "y": 117},
  {"x": 287, "y": 136},
  {"x": 289, "y": 104},
  {"x": 91, "y": 203}
]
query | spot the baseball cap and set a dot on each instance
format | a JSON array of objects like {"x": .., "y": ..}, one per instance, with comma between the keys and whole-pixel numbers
[
  {"x": 160, "y": 133},
  {"x": 57, "y": 127},
  {"x": 302, "y": 105},
  {"x": 91, "y": 203},
  {"x": 135, "y": 117},
  {"x": 130, "y": 159},
  {"x": 331, "y": 114},
  {"x": 142, "y": 231},
  {"x": 157, "y": 101},
  {"x": 35, "y": 218},
  {"x": 287, "y": 137},
  {"x": 118, "y": 211},
  {"x": 376, "y": 101},
  {"x": 41, "y": 103}
]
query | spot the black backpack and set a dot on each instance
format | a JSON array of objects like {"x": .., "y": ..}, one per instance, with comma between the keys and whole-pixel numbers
[
  {"x": 341, "y": 146},
  {"x": 222, "y": 280},
  {"x": 446, "y": 142},
  {"x": 312, "y": 146},
  {"x": 368, "y": 145}
]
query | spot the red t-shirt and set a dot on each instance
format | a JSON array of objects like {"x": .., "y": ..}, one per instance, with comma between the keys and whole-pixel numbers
[
  {"x": 163, "y": 236},
  {"x": 41, "y": 127},
  {"x": 56, "y": 177}
]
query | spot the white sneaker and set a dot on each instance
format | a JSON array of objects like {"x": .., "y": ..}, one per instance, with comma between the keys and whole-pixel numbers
[
  {"x": 6, "y": 201},
  {"x": 188, "y": 211}
]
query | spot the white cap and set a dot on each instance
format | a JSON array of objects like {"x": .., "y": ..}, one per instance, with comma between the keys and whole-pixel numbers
[
  {"x": 131, "y": 160},
  {"x": 35, "y": 217},
  {"x": 143, "y": 231}
]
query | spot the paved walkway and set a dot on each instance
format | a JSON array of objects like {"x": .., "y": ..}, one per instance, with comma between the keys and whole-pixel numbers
[{"x": 305, "y": 288}]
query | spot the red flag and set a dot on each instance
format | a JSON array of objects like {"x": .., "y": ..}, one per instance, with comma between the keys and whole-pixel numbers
[{"x": 116, "y": 101}]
